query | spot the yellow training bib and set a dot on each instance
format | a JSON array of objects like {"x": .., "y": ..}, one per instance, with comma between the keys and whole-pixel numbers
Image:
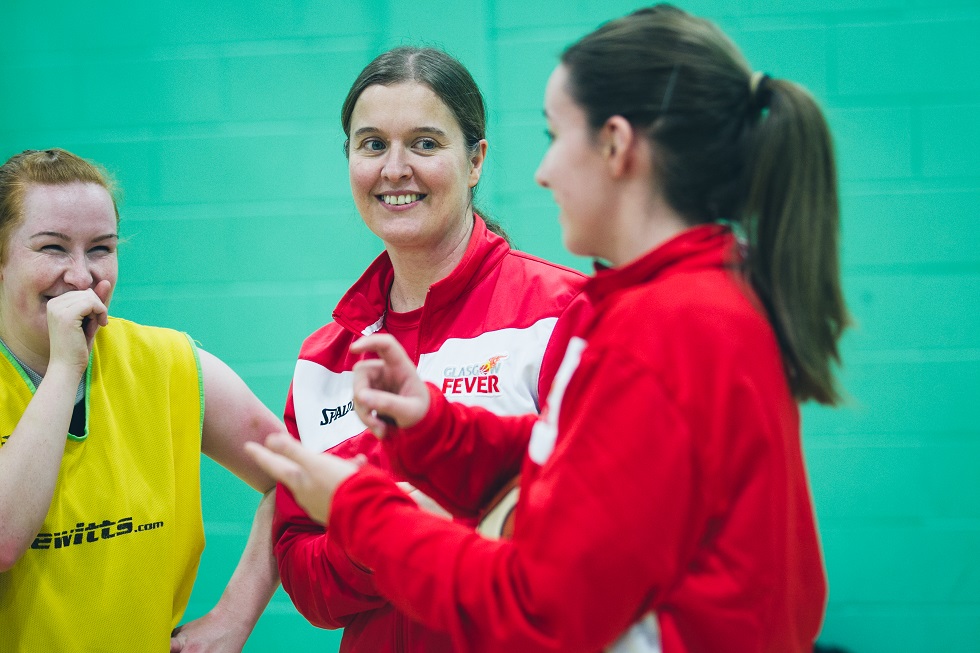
[{"x": 114, "y": 563}]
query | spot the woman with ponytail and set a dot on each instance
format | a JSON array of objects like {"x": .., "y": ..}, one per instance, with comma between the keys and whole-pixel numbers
[{"x": 664, "y": 504}]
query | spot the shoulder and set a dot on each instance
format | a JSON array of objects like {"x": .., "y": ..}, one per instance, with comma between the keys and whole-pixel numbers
[
  {"x": 125, "y": 349},
  {"x": 537, "y": 281},
  {"x": 698, "y": 315},
  {"x": 328, "y": 346},
  {"x": 704, "y": 345},
  {"x": 324, "y": 337},
  {"x": 120, "y": 332},
  {"x": 538, "y": 267}
]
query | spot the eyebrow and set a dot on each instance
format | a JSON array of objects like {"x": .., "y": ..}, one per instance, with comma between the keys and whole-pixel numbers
[
  {"x": 61, "y": 236},
  {"x": 430, "y": 130},
  {"x": 417, "y": 130}
]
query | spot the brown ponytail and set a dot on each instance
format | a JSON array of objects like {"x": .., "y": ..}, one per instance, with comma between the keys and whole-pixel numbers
[{"x": 791, "y": 218}]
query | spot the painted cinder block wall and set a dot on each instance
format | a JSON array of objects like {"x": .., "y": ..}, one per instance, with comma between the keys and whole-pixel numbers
[{"x": 221, "y": 122}]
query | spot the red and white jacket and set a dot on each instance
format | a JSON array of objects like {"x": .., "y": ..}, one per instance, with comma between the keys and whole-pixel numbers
[
  {"x": 491, "y": 334},
  {"x": 664, "y": 502}
]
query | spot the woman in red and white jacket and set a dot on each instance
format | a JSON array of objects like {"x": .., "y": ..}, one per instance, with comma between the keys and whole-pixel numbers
[
  {"x": 484, "y": 323},
  {"x": 664, "y": 502}
]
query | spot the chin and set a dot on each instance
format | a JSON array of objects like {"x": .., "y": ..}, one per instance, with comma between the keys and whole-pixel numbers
[{"x": 577, "y": 248}]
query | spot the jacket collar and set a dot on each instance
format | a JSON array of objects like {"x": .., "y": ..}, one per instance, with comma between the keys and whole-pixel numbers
[
  {"x": 703, "y": 246},
  {"x": 363, "y": 307}
]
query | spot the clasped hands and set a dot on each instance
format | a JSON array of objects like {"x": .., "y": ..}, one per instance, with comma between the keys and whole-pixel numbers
[{"x": 387, "y": 390}]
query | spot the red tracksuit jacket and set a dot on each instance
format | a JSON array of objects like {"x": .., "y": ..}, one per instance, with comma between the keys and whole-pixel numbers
[
  {"x": 488, "y": 335},
  {"x": 664, "y": 501}
]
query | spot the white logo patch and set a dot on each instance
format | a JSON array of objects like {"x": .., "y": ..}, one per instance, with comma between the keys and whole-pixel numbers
[
  {"x": 497, "y": 370},
  {"x": 322, "y": 403}
]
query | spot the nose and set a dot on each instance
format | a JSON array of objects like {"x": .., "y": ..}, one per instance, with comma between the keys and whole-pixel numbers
[
  {"x": 540, "y": 175},
  {"x": 396, "y": 165},
  {"x": 79, "y": 273}
]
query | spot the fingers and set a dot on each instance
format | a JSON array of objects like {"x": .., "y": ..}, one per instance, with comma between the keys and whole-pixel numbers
[
  {"x": 99, "y": 313},
  {"x": 377, "y": 424},
  {"x": 285, "y": 459},
  {"x": 176, "y": 643},
  {"x": 392, "y": 370},
  {"x": 77, "y": 304},
  {"x": 280, "y": 467},
  {"x": 368, "y": 374},
  {"x": 382, "y": 375},
  {"x": 384, "y": 346},
  {"x": 89, "y": 326},
  {"x": 387, "y": 390},
  {"x": 82, "y": 308},
  {"x": 388, "y": 408},
  {"x": 286, "y": 445},
  {"x": 100, "y": 310},
  {"x": 312, "y": 478}
]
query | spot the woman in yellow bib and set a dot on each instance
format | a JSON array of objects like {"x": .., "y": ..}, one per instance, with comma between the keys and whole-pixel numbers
[{"x": 102, "y": 423}]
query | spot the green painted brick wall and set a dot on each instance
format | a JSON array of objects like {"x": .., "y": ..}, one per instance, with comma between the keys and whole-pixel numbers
[{"x": 220, "y": 120}]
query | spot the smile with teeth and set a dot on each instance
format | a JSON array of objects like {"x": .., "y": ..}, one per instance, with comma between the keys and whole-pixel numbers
[{"x": 398, "y": 200}]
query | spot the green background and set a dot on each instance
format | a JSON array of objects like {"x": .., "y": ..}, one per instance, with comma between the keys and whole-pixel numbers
[{"x": 221, "y": 122}]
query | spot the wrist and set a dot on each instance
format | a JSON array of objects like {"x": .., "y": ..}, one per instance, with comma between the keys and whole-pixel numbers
[
  {"x": 232, "y": 620},
  {"x": 69, "y": 372}
]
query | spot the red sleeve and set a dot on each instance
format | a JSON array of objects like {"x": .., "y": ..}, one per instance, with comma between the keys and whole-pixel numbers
[
  {"x": 325, "y": 585},
  {"x": 463, "y": 468},
  {"x": 464, "y": 471},
  {"x": 596, "y": 539}
]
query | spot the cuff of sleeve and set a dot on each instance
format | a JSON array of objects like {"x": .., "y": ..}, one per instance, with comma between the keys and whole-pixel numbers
[{"x": 403, "y": 443}]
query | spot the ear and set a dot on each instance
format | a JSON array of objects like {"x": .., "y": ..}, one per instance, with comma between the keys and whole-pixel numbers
[
  {"x": 619, "y": 143},
  {"x": 476, "y": 162}
]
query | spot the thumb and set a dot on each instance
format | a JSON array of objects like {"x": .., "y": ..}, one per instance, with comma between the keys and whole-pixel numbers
[{"x": 103, "y": 289}]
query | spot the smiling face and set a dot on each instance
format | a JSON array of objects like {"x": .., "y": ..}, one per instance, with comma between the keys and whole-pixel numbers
[
  {"x": 410, "y": 172},
  {"x": 573, "y": 169},
  {"x": 65, "y": 241}
]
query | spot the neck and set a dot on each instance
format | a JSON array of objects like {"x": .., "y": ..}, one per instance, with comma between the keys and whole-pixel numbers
[
  {"x": 22, "y": 352},
  {"x": 32, "y": 363},
  {"x": 416, "y": 269},
  {"x": 646, "y": 224}
]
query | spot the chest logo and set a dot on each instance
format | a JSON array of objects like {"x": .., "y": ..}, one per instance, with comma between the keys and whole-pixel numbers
[
  {"x": 84, "y": 533},
  {"x": 332, "y": 414},
  {"x": 475, "y": 379}
]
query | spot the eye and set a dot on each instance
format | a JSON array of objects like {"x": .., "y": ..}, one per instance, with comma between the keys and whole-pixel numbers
[
  {"x": 373, "y": 145},
  {"x": 101, "y": 250},
  {"x": 426, "y": 144},
  {"x": 52, "y": 248}
]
